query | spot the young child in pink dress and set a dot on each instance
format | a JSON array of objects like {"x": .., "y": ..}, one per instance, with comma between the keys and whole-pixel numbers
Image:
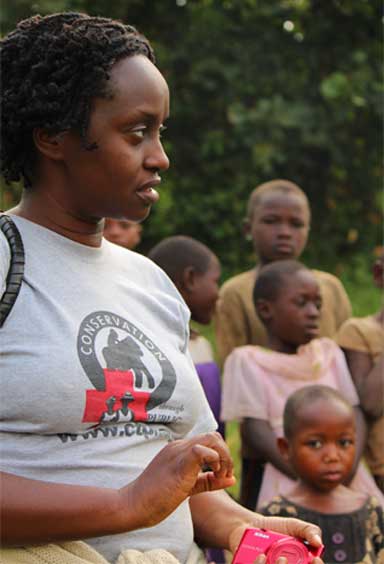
[
  {"x": 319, "y": 443},
  {"x": 257, "y": 381}
]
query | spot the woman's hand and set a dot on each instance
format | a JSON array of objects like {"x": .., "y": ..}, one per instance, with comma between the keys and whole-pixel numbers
[
  {"x": 284, "y": 525},
  {"x": 176, "y": 473}
]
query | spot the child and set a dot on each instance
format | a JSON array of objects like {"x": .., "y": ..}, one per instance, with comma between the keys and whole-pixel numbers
[
  {"x": 320, "y": 443},
  {"x": 362, "y": 340},
  {"x": 258, "y": 381},
  {"x": 195, "y": 271},
  {"x": 123, "y": 232},
  {"x": 277, "y": 222}
]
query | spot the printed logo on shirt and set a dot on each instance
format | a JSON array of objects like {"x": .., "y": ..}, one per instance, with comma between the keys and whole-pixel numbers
[{"x": 130, "y": 374}]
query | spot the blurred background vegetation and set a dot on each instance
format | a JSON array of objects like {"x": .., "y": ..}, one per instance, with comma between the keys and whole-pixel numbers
[{"x": 261, "y": 89}]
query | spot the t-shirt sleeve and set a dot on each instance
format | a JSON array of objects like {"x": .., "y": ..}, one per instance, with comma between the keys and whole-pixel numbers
[
  {"x": 230, "y": 323},
  {"x": 351, "y": 337},
  {"x": 244, "y": 393},
  {"x": 5, "y": 258},
  {"x": 344, "y": 378}
]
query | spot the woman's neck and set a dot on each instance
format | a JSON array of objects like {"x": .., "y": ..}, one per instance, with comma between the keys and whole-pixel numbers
[{"x": 45, "y": 211}]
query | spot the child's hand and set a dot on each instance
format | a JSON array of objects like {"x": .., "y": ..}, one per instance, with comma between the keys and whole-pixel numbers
[{"x": 175, "y": 474}]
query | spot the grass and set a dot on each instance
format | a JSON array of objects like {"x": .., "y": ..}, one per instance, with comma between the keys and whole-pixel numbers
[{"x": 365, "y": 299}]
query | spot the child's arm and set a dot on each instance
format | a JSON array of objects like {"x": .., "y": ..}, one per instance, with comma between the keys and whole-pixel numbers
[{"x": 261, "y": 438}]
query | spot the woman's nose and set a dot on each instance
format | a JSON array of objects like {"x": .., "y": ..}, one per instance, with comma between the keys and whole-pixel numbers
[{"x": 157, "y": 158}]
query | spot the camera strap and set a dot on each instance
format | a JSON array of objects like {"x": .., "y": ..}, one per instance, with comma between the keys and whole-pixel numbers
[{"x": 16, "y": 266}]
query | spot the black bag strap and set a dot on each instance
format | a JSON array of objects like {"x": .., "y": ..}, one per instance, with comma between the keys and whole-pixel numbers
[{"x": 16, "y": 266}]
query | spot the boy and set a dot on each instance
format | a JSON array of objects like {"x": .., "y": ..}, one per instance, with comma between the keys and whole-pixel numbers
[{"x": 277, "y": 222}]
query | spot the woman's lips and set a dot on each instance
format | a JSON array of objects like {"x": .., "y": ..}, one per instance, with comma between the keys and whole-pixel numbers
[
  {"x": 148, "y": 195},
  {"x": 147, "y": 192}
]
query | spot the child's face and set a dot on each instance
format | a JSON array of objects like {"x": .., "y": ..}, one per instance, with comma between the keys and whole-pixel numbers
[
  {"x": 279, "y": 227},
  {"x": 322, "y": 449},
  {"x": 295, "y": 313},
  {"x": 123, "y": 232},
  {"x": 202, "y": 297}
]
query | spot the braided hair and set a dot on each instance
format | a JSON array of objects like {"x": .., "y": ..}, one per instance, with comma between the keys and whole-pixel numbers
[{"x": 51, "y": 69}]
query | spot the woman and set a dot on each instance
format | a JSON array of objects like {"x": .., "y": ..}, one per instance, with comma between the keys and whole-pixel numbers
[{"x": 105, "y": 428}]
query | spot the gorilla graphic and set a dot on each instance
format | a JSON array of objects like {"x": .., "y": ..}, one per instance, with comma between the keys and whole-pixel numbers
[{"x": 126, "y": 355}]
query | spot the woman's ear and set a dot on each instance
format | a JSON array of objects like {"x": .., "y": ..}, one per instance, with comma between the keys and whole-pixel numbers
[
  {"x": 264, "y": 309},
  {"x": 282, "y": 445},
  {"x": 49, "y": 144}
]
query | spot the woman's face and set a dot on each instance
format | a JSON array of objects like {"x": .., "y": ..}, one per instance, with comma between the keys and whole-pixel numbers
[{"x": 119, "y": 177}]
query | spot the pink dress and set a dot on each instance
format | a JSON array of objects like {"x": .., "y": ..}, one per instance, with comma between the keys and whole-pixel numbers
[{"x": 257, "y": 383}]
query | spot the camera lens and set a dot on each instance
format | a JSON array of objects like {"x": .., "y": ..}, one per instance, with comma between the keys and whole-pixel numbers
[{"x": 294, "y": 551}]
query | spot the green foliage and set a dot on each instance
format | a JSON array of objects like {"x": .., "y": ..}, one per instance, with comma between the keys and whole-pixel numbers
[{"x": 260, "y": 90}]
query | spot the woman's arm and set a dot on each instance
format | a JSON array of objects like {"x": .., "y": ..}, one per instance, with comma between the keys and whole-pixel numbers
[
  {"x": 38, "y": 512},
  {"x": 368, "y": 378},
  {"x": 262, "y": 440},
  {"x": 220, "y": 522}
]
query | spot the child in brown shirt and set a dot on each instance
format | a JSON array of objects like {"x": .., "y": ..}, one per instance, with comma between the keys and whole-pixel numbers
[{"x": 277, "y": 222}]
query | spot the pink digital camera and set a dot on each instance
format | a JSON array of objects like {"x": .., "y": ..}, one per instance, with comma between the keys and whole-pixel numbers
[{"x": 260, "y": 541}]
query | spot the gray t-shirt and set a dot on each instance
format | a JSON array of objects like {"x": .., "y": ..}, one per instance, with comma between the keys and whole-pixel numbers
[{"x": 95, "y": 374}]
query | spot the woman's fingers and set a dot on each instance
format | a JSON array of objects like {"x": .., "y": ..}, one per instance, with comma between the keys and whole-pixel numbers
[
  {"x": 294, "y": 528},
  {"x": 208, "y": 482}
]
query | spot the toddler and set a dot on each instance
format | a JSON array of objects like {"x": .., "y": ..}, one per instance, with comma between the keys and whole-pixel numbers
[
  {"x": 257, "y": 381},
  {"x": 319, "y": 443}
]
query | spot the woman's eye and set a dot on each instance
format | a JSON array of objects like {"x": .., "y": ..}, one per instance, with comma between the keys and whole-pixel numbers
[
  {"x": 140, "y": 132},
  {"x": 162, "y": 129}
]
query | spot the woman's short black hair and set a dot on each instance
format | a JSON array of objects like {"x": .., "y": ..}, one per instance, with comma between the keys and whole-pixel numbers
[{"x": 51, "y": 68}]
